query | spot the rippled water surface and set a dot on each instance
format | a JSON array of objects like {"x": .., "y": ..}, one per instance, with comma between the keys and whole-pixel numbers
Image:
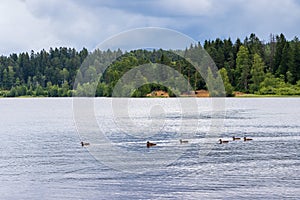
[{"x": 41, "y": 156}]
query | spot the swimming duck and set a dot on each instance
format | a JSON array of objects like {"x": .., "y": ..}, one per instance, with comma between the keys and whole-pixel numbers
[
  {"x": 223, "y": 141},
  {"x": 150, "y": 144},
  {"x": 85, "y": 144},
  {"x": 247, "y": 139},
  {"x": 183, "y": 141},
  {"x": 235, "y": 138}
]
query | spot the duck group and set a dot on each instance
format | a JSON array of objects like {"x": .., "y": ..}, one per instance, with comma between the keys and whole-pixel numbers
[
  {"x": 151, "y": 144},
  {"x": 234, "y": 139}
]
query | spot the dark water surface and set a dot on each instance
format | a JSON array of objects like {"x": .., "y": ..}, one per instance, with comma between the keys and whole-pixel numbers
[{"x": 41, "y": 156}]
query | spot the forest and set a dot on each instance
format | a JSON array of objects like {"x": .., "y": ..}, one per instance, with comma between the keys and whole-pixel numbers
[{"x": 251, "y": 66}]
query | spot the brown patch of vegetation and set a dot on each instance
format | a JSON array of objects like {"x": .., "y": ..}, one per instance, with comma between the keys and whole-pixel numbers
[
  {"x": 202, "y": 93},
  {"x": 238, "y": 94},
  {"x": 159, "y": 93}
]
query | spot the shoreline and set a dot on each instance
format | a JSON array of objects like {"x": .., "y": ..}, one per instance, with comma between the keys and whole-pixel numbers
[{"x": 241, "y": 96}]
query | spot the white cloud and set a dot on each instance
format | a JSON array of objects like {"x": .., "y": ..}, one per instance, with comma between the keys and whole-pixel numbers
[
  {"x": 39, "y": 25},
  {"x": 187, "y": 7},
  {"x": 35, "y": 24},
  {"x": 276, "y": 16},
  {"x": 19, "y": 28},
  {"x": 239, "y": 18}
]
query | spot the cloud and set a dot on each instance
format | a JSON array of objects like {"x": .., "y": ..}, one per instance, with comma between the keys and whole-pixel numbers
[
  {"x": 19, "y": 28},
  {"x": 34, "y": 24},
  {"x": 275, "y": 16},
  {"x": 186, "y": 8},
  {"x": 67, "y": 23},
  {"x": 240, "y": 18}
]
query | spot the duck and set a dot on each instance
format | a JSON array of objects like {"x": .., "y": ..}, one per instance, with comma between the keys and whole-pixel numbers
[
  {"x": 85, "y": 144},
  {"x": 150, "y": 144},
  {"x": 223, "y": 141},
  {"x": 247, "y": 139},
  {"x": 183, "y": 141},
  {"x": 235, "y": 138}
]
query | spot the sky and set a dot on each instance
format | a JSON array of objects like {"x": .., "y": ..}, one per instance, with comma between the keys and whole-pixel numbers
[{"x": 35, "y": 25}]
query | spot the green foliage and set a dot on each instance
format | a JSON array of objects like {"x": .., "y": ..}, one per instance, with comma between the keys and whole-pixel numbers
[
  {"x": 53, "y": 91},
  {"x": 284, "y": 63},
  {"x": 65, "y": 90},
  {"x": 10, "y": 77},
  {"x": 12, "y": 92},
  {"x": 243, "y": 65},
  {"x": 5, "y": 80},
  {"x": 39, "y": 91},
  {"x": 226, "y": 82},
  {"x": 280, "y": 44},
  {"x": 251, "y": 66},
  {"x": 215, "y": 84},
  {"x": 277, "y": 86},
  {"x": 27, "y": 74},
  {"x": 21, "y": 90},
  {"x": 257, "y": 73}
]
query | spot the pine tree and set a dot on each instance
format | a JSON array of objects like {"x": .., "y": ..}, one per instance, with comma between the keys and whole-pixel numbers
[
  {"x": 5, "y": 79},
  {"x": 284, "y": 62},
  {"x": 227, "y": 85},
  {"x": 296, "y": 59},
  {"x": 257, "y": 73},
  {"x": 243, "y": 69},
  {"x": 280, "y": 44},
  {"x": 11, "y": 76}
]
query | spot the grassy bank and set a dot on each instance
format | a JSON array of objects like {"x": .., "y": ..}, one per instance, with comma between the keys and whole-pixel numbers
[{"x": 264, "y": 96}]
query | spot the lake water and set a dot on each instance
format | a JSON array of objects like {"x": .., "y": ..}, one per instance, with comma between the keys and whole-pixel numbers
[{"x": 41, "y": 156}]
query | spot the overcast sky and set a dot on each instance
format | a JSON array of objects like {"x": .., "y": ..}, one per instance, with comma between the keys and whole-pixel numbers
[{"x": 35, "y": 24}]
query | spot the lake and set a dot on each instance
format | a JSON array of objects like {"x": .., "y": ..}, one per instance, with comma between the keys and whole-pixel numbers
[{"x": 42, "y": 158}]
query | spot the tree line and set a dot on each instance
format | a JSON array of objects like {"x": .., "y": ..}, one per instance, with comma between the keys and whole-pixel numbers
[
  {"x": 249, "y": 66},
  {"x": 254, "y": 66},
  {"x": 40, "y": 74}
]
